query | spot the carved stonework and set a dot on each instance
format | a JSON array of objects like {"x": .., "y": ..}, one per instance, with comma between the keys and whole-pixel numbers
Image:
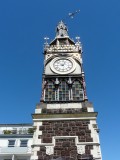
[
  {"x": 61, "y": 30},
  {"x": 48, "y": 56},
  {"x": 62, "y": 48},
  {"x": 81, "y": 149},
  {"x": 98, "y": 151},
  {"x": 49, "y": 150},
  {"x": 59, "y": 158},
  {"x": 29, "y": 149}
]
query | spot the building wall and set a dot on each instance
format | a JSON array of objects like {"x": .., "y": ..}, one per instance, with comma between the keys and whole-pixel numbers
[
  {"x": 65, "y": 144},
  {"x": 18, "y": 133},
  {"x": 4, "y": 142},
  {"x": 68, "y": 138}
]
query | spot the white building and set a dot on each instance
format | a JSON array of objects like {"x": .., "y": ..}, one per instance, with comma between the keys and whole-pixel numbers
[{"x": 16, "y": 141}]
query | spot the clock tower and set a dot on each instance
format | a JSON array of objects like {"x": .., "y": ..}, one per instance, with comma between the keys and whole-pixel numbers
[{"x": 64, "y": 120}]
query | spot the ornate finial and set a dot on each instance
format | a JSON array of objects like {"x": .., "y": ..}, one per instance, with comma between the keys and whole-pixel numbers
[
  {"x": 61, "y": 30},
  {"x": 78, "y": 39},
  {"x": 46, "y": 40}
]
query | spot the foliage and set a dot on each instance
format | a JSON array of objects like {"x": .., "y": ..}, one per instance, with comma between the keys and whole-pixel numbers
[
  {"x": 7, "y": 131},
  {"x": 31, "y": 130}
]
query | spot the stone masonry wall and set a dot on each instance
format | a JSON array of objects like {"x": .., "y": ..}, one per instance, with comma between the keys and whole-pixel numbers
[
  {"x": 65, "y": 148},
  {"x": 60, "y": 111}
]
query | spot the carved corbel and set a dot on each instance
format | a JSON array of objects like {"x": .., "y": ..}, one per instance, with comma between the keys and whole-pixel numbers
[
  {"x": 81, "y": 149},
  {"x": 49, "y": 150}
]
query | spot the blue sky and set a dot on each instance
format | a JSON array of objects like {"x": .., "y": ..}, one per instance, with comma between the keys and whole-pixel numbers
[{"x": 23, "y": 26}]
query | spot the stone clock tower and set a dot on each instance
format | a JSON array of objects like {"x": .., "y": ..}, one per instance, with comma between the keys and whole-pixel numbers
[{"x": 64, "y": 120}]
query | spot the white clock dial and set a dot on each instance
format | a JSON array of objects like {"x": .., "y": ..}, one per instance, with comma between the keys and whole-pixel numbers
[{"x": 63, "y": 65}]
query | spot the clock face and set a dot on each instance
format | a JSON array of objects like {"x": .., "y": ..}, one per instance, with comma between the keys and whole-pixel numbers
[{"x": 63, "y": 65}]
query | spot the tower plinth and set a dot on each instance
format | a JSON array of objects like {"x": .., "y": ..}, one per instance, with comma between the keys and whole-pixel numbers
[{"x": 64, "y": 119}]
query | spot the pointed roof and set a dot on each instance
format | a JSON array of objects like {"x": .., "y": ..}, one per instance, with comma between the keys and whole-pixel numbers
[
  {"x": 62, "y": 34},
  {"x": 61, "y": 30}
]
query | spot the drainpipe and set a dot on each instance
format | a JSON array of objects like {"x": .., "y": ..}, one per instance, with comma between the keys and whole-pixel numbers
[{"x": 13, "y": 157}]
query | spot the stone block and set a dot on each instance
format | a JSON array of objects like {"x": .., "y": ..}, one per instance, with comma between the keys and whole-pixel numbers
[
  {"x": 82, "y": 140},
  {"x": 81, "y": 133},
  {"x": 73, "y": 152},
  {"x": 87, "y": 151},
  {"x": 40, "y": 157},
  {"x": 42, "y": 128},
  {"x": 78, "y": 123},
  {"x": 39, "y": 152},
  {"x": 45, "y": 123},
  {"x": 58, "y": 125},
  {"x": 59, "y": 147},
  {"x": 64, "y": 153},
  {"x": 68, "y": 129},
  {"x": 74, "y": 128},
  {"x": 48, "y": 128},
  {"x": 72, "y": 133},
  {"x": 65, "y": 125},
  {"x": 66, "y": 144},
  {"x": 47, "y": 140},
  {"x": 61, "y": 128},
  {"x": 72, "y": 124},
  {"x": 58, "y": 144},
  {"x": 82, "y": 127},
  {"x": 88, "y": 131},
  {"x": 57, "y": 133},
  {"x": 39, "y": 136},
  {"x": 65, "y": 133},
  {"x": 42, "y": 148},
  {"x": 50, "y": 131},
  {"x": 46, "y": 157},
  {"x": 89, "y": 140}
]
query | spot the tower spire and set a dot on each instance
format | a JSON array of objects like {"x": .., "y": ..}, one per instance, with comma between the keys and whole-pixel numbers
[{"x": 65, "y": 120}]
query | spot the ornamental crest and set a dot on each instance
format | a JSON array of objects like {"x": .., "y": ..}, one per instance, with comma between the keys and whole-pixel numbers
[
  {"x": 49, "y": 150},
  {"x": 81, "y": 149}
]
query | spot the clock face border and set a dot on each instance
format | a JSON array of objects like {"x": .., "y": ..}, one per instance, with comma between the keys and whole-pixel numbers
[{"x": 62, "y": 72}]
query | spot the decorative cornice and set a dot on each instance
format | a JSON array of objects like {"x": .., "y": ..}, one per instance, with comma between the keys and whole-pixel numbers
[
  {"x": 16, "y": 125},
  {"x": 16, "y": 136},
  {"x": 85, "y": 115}
]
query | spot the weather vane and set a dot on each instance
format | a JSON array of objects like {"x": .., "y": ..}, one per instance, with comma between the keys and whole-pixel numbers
[{"x": 72, "y": 14}]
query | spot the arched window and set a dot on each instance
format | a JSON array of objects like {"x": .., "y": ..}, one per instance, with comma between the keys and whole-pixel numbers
[
  {"x": 63, "y": 91},
  {"x": 50, "y": 91},
  {"x": 77, "y": 91}
]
